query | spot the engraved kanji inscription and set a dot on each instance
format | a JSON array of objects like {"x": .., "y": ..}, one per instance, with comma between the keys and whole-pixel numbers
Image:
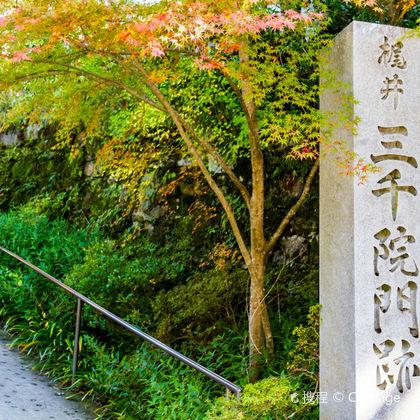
[
  {"x": 392, "y": 54},
  {"x": 389, "y": 156},
  {"x": 395, "y": 368},
  {"x": 406, "y": 302},
  {"x": 382, "y": 301},
  {"x": 393, "y": 189},
  {"x": 393, "y": 131},
  {"x": 405, "y": 298},
  {"x": 393, "y": 144},
  {"x": 394, "y": 283},
  {"x": 392, "y": 85},
  {"x": 396, "y": 248}
]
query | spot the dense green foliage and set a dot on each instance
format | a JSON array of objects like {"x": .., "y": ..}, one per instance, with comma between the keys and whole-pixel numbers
[
  {"x": 105, "y": 199},
  {"x": 267, "y": 399},
  {"x": 130, "y": 378}
]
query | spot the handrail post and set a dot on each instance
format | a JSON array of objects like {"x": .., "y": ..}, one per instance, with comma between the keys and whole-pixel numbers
[
  {"x": 76, "y": 339},
  {"x": 237, "y": 394}
]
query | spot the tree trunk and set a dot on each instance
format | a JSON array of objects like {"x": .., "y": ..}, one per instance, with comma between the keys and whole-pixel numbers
[
  {"x": 260, "y": 337},
  {"x": 256, "y": 332},
  {"x": 261, "y": 346},
  {"x": 269, "y": 343}
]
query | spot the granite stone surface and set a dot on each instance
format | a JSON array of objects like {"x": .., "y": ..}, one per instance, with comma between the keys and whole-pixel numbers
[{"x": 370, "y": 232}]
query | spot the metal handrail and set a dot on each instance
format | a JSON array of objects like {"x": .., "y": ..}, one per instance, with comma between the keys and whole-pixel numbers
[{"x": 81, "y": 298}]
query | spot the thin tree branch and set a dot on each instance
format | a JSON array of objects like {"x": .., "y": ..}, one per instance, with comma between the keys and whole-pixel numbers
[
  {"x": 74, "y": 55},
  {"x": 232, "y": 84},
  {"x": 86, "y": 73},
  {"x": 294, "y": 209},
  {"x": 44, "y": 74},
  {"x": 238, "y": 93},
  {"x": 193, "y": 150},
  {"x": 132, "y": 72},
  {"x": 106, "y": 80},
  {"x": 241, "y": 187}
]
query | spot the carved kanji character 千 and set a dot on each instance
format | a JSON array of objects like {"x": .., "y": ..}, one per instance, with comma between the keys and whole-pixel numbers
[{"x": 393, "y": 190}]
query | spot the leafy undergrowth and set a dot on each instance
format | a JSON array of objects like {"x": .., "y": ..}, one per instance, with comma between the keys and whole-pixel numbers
[
  {"x": 131, "y": 380},
  {"x": 128, "y": 377}
]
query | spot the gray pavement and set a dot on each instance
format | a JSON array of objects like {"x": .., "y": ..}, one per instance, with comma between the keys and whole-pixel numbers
[{"x": 27, "y": 395}]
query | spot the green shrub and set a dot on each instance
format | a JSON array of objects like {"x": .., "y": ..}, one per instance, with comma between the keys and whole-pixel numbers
[
  {"x": 54, "y": 246},
  {"x": 142, "y": 383},
  {"x": 113, "y": 281},
  {"x": 305, "y": 356},
  {"x": 155, "y": 287},
  {"x": 146, "y": 384},
  {"x": 125, "y": 279},
  {"x": 203, "y": 306},
  {"x": 267, "y": 399}
]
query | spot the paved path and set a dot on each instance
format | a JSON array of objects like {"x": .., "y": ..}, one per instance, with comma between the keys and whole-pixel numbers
[{"x": 26, "y": 395}]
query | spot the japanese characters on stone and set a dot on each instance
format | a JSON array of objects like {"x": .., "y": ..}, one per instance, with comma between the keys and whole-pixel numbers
[
  {"x": 397, "y": 364},
  {"x": 391, "y": 55}
]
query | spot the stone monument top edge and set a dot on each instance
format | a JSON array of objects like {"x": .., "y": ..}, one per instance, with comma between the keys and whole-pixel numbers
[{"x": 360, "y": 25}]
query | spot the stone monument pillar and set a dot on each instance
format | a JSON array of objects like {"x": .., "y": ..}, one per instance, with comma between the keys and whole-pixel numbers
[{"x": 370, "y": 233}]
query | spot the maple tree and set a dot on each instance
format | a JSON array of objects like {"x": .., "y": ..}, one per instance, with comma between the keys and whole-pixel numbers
[{"x": 266, "y": 54}]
